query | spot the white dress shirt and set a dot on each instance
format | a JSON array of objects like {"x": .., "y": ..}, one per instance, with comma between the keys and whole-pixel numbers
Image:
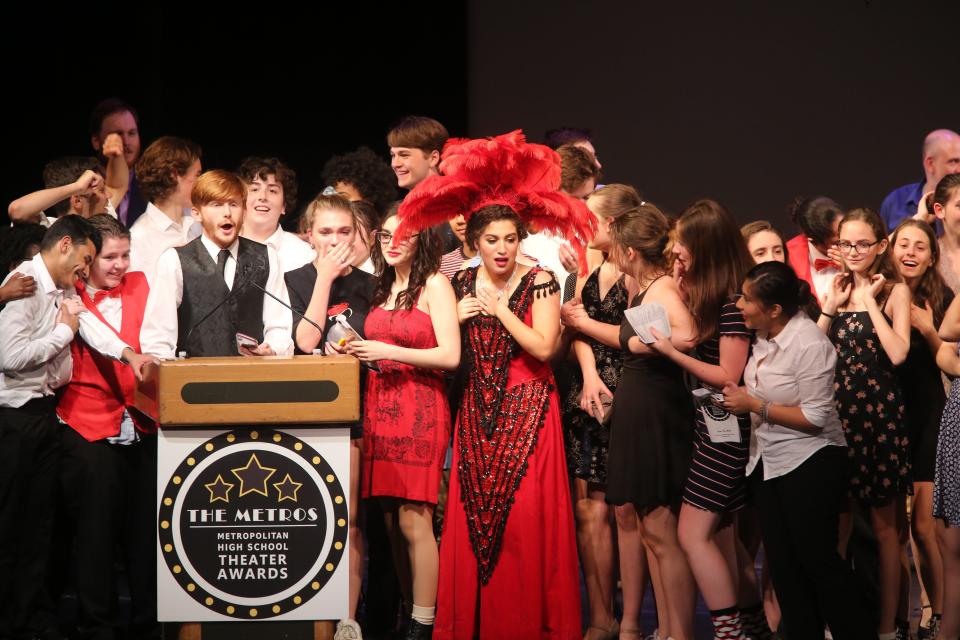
[
  {"x": 544, "y": 247},
  {"x": 821, "y": 279},
  {"x": 793, "y": 369},
  {"x": 34, "y": 355},
  {"x": 292, "y": 252},
  {"x": 152, "y": 234},
  {"x": 159, "y": 332}
]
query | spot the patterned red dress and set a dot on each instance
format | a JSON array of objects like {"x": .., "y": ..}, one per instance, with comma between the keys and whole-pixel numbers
[
  {"x": 508, "y": 554},
  {"x": 406, "y": 423}
]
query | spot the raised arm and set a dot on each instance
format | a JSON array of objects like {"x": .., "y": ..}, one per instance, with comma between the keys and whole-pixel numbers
[
  {"x": 329, "y": 268},
  {"x": 117, "y": 180},
  {"x": 30, "y": 208}
]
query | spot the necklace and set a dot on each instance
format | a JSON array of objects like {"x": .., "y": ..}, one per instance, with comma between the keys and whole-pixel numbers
[{"x": 483, "y": 278}]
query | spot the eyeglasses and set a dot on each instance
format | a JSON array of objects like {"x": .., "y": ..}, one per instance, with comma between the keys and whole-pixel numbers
[
  {"x": 385, "y": 237},
  {"x": 861, "y": 246}
]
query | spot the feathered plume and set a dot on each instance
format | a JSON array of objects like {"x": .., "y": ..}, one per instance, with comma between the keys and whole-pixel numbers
[{"x": 503, "y": 170}]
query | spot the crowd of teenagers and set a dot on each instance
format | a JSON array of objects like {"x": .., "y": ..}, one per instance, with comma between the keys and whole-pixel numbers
[{"x": 569, "y": 392}]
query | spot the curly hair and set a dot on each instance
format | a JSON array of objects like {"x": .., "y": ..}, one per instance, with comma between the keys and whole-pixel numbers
[
  {"x": 577, "y": 166},
  {"x": 254, "y": 168},
  {"x": 15, "y": 243},
  {"x": 426, "y": 262},
  {"x": 367, "y": 172},
  {"x": 159, "y": 165},
  {"x": 490, "y": 214}
]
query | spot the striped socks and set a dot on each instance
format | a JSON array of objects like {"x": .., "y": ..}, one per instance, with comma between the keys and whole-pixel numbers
[
  {"x": 754, "y": 622},
  {"x": 726, "y": 624}
]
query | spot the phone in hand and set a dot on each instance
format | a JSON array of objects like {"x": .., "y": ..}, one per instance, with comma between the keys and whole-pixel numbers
[{"x": 243, "y": 340}]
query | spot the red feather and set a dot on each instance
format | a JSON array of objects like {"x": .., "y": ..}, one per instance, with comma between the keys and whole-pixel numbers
[{"x": 504, "y": 170}]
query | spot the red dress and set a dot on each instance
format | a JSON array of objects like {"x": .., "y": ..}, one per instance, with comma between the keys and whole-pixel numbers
[
  {"x": 406, "y": 421},
  {"x": 508, "y": 554}
]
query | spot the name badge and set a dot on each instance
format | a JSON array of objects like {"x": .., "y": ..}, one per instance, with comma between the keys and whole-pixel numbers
[{"x": 722, "y": 426}]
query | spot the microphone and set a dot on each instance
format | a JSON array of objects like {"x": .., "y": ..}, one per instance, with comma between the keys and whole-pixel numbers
[
  {"x": 240, "y": 281},
  {"x": 369, "y": 365},
  {"x": 251, "y": 281}
]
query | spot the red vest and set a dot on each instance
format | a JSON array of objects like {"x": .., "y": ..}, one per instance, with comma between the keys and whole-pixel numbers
[{"x": 101, "y": 388}]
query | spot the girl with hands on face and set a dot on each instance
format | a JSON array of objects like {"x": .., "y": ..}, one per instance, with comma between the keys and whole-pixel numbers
[
  {"x": 321, "y": 290},
  {"x": 413, "y": 334},
  {"x": 867, "y": 317}
]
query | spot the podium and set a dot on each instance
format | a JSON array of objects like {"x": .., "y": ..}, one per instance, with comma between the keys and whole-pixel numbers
[{"x": 252, "y": 491}]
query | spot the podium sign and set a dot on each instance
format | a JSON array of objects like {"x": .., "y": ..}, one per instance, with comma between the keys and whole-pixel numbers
[
  {"x": 252, "y": 517},
  {"x": 253, "y": 524}
]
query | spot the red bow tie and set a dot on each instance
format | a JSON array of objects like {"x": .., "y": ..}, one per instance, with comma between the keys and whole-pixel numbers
[
  {"x": 820, "y": 264},
  {"x": 107, "y": 293}
]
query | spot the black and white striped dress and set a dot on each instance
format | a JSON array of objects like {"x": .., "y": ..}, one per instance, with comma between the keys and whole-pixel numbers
[{"x": 716, "y": 480}]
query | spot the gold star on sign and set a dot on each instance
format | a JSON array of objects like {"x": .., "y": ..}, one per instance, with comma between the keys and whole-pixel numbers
[
  {"x": 219, "y": 489},
  {"x": 253, "y": 477},
  {"x": 288, "y": 489}
]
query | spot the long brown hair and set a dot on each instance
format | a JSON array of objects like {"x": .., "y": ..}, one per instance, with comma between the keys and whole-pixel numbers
[
  {"x": 720, "y": 261},
  {"x": 426, "y": 262},
  {"x": 932, "y": 288},
  {"x": 883, "y": 264}
]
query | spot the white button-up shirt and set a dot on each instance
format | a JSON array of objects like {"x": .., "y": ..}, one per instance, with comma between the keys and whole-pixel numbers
[
  {"x": 821, "y": 279},
  {"x": 159, "y": 332},
  {"x": 152, "y": 234},
  {"x": 793, "y": 369},
  {"x": 292, "y": 252},
  {"x": 34, "y": 355}
]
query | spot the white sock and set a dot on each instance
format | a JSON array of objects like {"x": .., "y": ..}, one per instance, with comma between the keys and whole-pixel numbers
[{"x": 423, "y": 615}]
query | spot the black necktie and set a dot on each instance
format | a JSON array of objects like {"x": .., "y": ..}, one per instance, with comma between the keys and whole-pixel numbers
[{"x": 222, "y": 262}]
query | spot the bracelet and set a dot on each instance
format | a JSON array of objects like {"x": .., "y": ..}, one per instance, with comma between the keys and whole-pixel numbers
[
  {"x": 764, "y": 411},
  {"x": 829, "y": 315}
]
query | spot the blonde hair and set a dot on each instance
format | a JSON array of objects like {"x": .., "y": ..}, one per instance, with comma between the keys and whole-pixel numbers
[{"x": 323, "y": 202}]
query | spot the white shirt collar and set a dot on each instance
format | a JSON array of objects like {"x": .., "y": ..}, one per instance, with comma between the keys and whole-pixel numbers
[
  {"x": 161, "y": 219},
  {"x": 275, "y": 239},
  {"x": 816, "y": 254},
  {"x": 43, "y": 276},
  {"x": 214, "y": 249}
]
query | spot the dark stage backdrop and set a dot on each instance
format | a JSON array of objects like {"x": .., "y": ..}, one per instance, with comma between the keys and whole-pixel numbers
[
  {"x": 747, "y": 102},
  {"x": 302, "y": 82}
]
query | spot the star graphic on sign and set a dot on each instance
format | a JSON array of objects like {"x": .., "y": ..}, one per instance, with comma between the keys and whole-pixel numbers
[
  {"x": 219, "y": 489},
  {"x": 253, "y": 477},
  {"x": 288, "y": 489}
]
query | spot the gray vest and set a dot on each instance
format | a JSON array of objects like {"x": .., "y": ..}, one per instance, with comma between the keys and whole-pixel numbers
[{"x": 204, "y": 288}]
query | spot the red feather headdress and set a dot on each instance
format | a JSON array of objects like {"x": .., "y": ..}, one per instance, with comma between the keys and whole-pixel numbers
[{"x": 505, "y": 170}]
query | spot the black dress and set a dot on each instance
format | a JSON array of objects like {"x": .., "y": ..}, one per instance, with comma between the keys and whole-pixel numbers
[
  {"x": 651, "y": 436},
  {"x": 350, "y": 295},
  {"x": 585, "y": 438},
  {"x": 924, "y": 397},
  {"x": 870, "y": 404}
]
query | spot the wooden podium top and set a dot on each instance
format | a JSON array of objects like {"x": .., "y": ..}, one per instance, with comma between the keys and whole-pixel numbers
[{"x": 247, "y": 390}]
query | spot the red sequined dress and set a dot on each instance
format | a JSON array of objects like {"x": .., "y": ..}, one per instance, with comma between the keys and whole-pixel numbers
[
  {"x": 406, "y": 423},
  {"x": 508, "y": 555}
]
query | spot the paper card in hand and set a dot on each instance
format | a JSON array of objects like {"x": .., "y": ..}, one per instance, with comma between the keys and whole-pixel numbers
[{"x": 645, "y": 316}]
